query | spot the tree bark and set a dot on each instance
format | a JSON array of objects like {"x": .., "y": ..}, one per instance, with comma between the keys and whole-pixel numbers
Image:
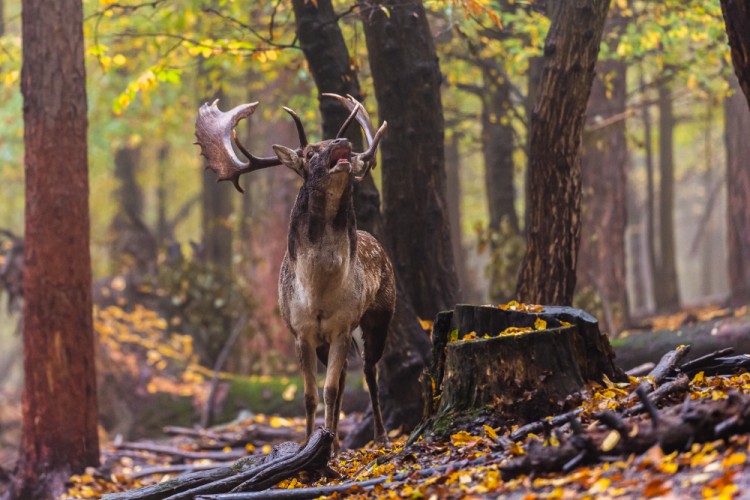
[
  {"x": 59, "y": 398},
  {"x": 650, "y": 210},
  {"x": 497, "y": 148},
  {"x": 604, "y": 214},
  {"x": 539, "y": 369},
  {"x": 406, "y": 76},
  {"x": 666, "y": 289},
  {"x": 548, "y": 269},
  {"x": 737, "y": 20},
  {"x": 407, "y": 348},
  {"x": 133, "y": 245},
  {"x": 453, "y": 200},
  {"x": 736, "y": 133}
]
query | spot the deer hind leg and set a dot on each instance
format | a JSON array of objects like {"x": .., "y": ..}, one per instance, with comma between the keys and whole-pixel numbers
[
  {"x": 333, "y": 388},
  {"x": 306, "y": 358},
  {"x": 337, "y": 409},
  {"x": 374, "y": 326}
]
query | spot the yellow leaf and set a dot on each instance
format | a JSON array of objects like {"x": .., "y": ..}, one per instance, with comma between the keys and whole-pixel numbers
[
  {"x": 600, "y": 486},
  {"x": 289, "y": 392},
  {"x": 540, "y": 324},
  {"x": 276, "y": 422},
  {"x": 471, "y": 336},
  {"x": 490, "y": 432},
  {"x": 463, "y": 438},
  {"x": 610, "y": 441},
  {"x": 734, "y": 459},
  {"x": 425, "y": 324}
]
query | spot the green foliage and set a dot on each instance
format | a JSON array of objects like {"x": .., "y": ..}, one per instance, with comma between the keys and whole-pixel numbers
[{"x": 204, "y": 302}]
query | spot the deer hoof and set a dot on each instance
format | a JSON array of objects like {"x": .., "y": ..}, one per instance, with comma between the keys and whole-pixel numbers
[{"x": 382, "y": 440}]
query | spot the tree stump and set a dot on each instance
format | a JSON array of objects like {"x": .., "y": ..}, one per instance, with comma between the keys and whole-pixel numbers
[{"x": 478, "y": 366}]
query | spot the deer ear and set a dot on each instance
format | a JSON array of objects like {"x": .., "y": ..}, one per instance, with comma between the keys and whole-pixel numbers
[{"x": 289, "y": 157}]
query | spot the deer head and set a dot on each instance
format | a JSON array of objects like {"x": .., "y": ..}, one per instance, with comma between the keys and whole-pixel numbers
[{"x": 215, "y": 131}]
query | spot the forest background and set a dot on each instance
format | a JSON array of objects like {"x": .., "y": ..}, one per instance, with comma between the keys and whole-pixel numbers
[{"x": 665, "y": 124}]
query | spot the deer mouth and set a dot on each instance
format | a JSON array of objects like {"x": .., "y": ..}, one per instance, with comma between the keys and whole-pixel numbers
[{"x": 340, "y": 160}]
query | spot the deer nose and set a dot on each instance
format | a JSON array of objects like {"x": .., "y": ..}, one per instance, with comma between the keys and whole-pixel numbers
[{"x": 342, "y": 141}]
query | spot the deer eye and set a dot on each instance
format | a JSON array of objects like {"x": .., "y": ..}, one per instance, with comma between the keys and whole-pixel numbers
[{"x": 310, "y": 154}]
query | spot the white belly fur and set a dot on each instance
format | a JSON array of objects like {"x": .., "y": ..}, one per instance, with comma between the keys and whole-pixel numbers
[{"x": 326, "y": 299}]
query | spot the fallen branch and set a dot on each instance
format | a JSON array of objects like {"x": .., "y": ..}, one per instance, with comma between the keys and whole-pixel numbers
[
  {"x": 728, "y": 365},
  {"x": 668, "y": 363},
  {"x": 640, "y": 370},
  {"x": 695, "y": 365},
  {"x": 675, "y": 428},
  {"x": 183, "y": 454},
  {"x": 680, "y": 385},
  {"x": 288, "y": 461},
  {"x": 352, "y": 486},
  {"x": 174, "y": 469}
]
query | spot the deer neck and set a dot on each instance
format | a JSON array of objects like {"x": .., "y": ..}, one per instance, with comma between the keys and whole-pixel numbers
[{"x": 322, "y": 242}]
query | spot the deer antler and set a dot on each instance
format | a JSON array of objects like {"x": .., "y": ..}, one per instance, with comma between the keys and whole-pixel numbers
[
  {"x": 364, "y": 161},
  {"x": 215, "y": 132}
]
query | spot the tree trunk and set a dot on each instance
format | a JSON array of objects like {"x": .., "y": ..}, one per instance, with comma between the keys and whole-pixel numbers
[
  {"x": 407, "y": 347},
  {"x": 497, "y": 148},
  {"x": 331, "y": 67},
  {"x": 163, "y": 231},
  {"x": 548, "y": 270},
  {"x": 59, "y": 397},
  {"x": 534, "y": 77},
  {"x": 540, "y": 367},
  {"x": 453, "y": 199},
  {"x": 133, "y": 245},
  {"x": 737, "y": 20},
  {"x": 406, "y": 76},
  {"x": 736, "y": 133},
  {"x": 604, "y": 214},
  {"x": 666, "y": 289},
  {"x": 650, "y": 211}
]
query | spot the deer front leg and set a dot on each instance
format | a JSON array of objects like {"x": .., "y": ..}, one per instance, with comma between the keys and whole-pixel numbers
[
  {"x": 307, "y": 360},
  {"x": 332, "y": 388}
]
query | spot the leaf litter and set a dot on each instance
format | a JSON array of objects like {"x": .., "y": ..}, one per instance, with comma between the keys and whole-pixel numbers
[{"x": 713, "y": 469}]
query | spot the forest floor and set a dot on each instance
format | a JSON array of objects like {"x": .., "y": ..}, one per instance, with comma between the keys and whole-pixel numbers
[
  {"x": 712, "y": 469},
  {"x": 586, "y": 455}
]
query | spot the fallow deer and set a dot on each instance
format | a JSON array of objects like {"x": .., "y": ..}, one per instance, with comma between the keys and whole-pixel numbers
[{"x": 334, "y": 279}]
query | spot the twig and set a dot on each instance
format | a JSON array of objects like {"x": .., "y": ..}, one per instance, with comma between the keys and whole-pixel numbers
[
  {"x": 648, "y": 405},
  {"x": 538, "y": 426},
  {"x": 694, "y": 366},
  {"x": 680, "y": 384},
  {"x": 207, "y": 415}
]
